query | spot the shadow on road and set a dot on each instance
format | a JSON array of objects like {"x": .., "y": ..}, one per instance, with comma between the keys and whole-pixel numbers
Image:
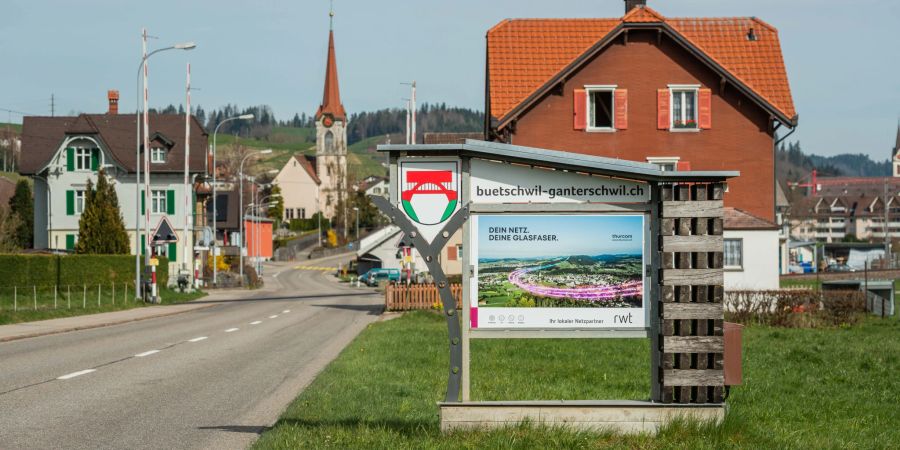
[
  {"x": 254, "y": 429},
  {"x": 373, "y": 310},
  {"x": 283, "y": 297}
]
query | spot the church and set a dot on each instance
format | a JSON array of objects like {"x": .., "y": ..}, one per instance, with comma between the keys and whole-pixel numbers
[{"x": 311, "y": 184}]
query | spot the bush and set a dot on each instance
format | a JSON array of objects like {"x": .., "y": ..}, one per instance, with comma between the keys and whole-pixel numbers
[
  {"x": 795, "y": 308},
  {"x": 49, "y": 270}
]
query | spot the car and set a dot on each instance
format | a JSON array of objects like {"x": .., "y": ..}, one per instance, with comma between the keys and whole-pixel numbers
[
  {"x": 374, "y": 276},
  {"x": 839, "y": 268}
]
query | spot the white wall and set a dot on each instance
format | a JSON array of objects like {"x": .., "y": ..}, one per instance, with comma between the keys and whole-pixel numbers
[
  {"x": 760, "y": 260},
  {"x": 298, "y": 189}
]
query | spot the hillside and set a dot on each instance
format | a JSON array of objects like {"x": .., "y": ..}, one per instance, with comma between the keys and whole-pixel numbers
[{"x": 793, "y": 165}]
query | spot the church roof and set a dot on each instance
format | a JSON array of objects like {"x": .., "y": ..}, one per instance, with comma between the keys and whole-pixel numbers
[{"x": 331, "y": 98}]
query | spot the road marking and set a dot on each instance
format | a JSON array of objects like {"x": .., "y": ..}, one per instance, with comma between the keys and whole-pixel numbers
[
  {"x": 276, "y": 275},
  {"x": 256, "y": 322},
  {"x": 315, "y": 268},
  {"x": 147, "y": 353},
  {"x": 197, "y": 339},
  {"x": 231, "y": 329},
  {"x": 76, "y": 374},
  {"x": 273, "y": 316},
  {"x": 286, "y": 311}
]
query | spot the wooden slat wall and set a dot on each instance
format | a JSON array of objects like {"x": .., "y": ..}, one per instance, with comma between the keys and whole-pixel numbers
[
  {"x": 691, "y": 317},
  {"x": 400, "y": 297}
]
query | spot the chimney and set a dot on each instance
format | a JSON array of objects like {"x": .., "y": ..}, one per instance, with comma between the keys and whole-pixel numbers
[
  {"x": 631, "y": 4},
  {"x": 113, "y": 96}
]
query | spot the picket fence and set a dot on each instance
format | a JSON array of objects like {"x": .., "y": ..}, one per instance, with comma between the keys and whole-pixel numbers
[{"x": 401, "y": 297}]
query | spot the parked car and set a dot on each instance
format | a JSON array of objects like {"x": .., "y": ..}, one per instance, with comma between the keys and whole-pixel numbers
[
  {"x": 377, "y": 275},
  {"x": 839, "y": 268}
]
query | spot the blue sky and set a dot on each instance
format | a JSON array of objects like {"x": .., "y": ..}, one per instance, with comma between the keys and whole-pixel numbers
[
  {"x": 841, "y": 55},
  {"x": 576, "y": 235}
]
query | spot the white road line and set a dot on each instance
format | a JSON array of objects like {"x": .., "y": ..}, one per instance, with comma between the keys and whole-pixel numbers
[
  {"x": 197, "y": 339},
  {"x": 76, "y": 374},
  {"x": 231, "y": 329},
  {"x": 276, "y": 275},
  {"x": 256, "y": 322},
  {"x": 286, "y": 311},
  {"x": 147, "y": 353},
  {"x": 273, "y": 316}
]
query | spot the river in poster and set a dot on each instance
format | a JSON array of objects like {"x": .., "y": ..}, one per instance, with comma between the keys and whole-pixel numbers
[{"x": 557, "y": 272}]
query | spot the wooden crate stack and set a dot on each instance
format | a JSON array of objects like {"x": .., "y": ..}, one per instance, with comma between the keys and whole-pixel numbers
[{"x": 691, "y": 319}]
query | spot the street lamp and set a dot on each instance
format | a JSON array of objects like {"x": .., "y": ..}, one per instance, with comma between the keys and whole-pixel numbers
[
  {"x": 356, "y": 210},
  {"x": 137, "y": 159},
  {"x": 241, "y": 202},
  {"x": 214, "y": 245}
]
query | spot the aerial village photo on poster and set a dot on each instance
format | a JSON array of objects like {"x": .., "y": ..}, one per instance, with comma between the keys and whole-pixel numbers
[{"x": 580, "y": 261}]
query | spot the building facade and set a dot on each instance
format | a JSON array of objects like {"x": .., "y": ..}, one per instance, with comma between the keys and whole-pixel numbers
[{"x": 299, "y": 188}]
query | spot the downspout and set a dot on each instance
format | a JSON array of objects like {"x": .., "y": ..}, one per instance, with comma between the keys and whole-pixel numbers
[{"x": 775, "y": 191}]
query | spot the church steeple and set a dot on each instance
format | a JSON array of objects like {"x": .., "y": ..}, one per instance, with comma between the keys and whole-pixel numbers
[{"x": 331, "y": 98}]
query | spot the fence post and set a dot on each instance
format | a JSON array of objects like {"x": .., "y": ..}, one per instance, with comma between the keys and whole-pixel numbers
[
  {"x": 113, "y": 293},
  {"x": 69, "y": 296},
  {"x": 84, "y": 296},
  {"x": 15, "y": 298},
  {"x": 34, "y": 295},
  {"x": 98, "y": 294},
  {"x": 55, "y": 289},
  {"x": 125, "y": 298}
]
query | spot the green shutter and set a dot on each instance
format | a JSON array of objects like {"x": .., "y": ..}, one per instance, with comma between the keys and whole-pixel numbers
[
  {"x": 70, "y": 159},
  {"x": 143, "y": 203},
  {"x": 95, "y": 159},
  {"x": 173, "y": 252},
  {"x": 143, "y": 245},
  {"x": 70, "y": 242},
  {"x": 170, "y": 202},
  {"x": 70, "y": 203}
]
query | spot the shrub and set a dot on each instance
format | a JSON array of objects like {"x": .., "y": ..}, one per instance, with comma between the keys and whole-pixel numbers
[
  {"x": 795, "y": 308},
  {"x": 49, "y": 270}
]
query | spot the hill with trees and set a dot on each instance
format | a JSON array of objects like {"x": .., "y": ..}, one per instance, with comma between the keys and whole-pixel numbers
[{"x": 793, "y": 165}]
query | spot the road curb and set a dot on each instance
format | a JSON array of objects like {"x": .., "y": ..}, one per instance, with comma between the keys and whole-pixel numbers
[{"x": 98, "y": 325}]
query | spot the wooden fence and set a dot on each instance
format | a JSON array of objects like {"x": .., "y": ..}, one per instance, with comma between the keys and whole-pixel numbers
[
  {"x": 400, "y": 297},
  {"x": 691, "y": 342}
]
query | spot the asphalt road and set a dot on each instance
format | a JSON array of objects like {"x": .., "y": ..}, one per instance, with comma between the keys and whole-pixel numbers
[{"x": 210, "y": 378}]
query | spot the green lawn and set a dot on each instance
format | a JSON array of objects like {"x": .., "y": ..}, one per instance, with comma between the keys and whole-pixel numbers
[
  {"x": 803, "y": 388},
  {"x": 76, "y": 301}
]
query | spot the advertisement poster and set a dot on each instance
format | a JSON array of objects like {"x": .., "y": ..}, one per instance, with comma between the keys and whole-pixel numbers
[{"x": 558, "y": 272}]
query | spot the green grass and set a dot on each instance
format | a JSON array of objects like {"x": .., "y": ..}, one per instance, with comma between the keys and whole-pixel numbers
[
  {"x": 17, "y": 127},
  {"x": 803, "y": 388},
  {"x": 19, "y": 306}
]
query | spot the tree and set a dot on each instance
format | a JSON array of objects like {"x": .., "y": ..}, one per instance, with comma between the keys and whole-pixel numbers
[
  {"x": 276, "y": 212},
  {"x": 9, "y": 224},
  {"x": 101, "y": 229},
  {"x": 21, "y": 206}
]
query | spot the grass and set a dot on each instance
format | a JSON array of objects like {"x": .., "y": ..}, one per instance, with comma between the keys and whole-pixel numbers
[
  {"x": 73, "y": 301},
  {"x": 803, "y": 388}
]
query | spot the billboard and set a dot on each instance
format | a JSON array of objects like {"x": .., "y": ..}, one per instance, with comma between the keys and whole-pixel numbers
[{"x": 557, "y": 272}]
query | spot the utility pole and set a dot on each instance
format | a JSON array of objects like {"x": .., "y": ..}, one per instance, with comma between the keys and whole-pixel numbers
[
  {"x": 148, "y": 238},
  {"x": 188, "y": 218},
  {"x": 887, "y": 226},
  {"x": 52, "y": 106}
]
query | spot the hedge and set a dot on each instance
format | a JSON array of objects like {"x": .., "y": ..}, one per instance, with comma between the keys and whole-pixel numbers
[{"x": 49, "y": 270}]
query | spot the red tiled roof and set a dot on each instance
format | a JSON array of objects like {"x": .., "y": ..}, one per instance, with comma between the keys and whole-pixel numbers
[
  {"x": 737, "y": 219},
  {"x": 524, "y": 54}
]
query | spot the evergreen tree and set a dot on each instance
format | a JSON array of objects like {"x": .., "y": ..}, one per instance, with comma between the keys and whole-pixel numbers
[
  {"x": 21, "y": 205},
  {"x": 101, "y": 229},
  {"x": 276, "y": 211}
]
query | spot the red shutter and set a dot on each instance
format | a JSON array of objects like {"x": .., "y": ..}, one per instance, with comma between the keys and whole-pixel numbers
[
  {"x": 621, "y": 101},
  {"x": 451, "y": 253},
  {"x": 684, "y": 166},
  {"x": 580, "y": 109},
  {"x": 704, "y": 110},
  {"x": 662, "y": 109}
]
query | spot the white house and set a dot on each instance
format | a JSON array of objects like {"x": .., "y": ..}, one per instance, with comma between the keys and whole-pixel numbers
[
  {"x": 751, "y": 252},
  {"x": 62, "y": 154},
  {"x": 299, "y": 188}
]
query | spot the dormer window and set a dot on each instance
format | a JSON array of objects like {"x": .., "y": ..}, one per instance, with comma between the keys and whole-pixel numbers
[{"x": 157, "y": 155}]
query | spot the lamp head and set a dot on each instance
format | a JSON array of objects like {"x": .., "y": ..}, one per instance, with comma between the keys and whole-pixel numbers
[
  {"x": 186, "y": 46},
  {"x": 245, "y": 116},
  {"x": 265, "y": 152}
]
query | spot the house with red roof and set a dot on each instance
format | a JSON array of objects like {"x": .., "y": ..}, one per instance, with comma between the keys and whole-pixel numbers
[{"x": 683, "y": 93}]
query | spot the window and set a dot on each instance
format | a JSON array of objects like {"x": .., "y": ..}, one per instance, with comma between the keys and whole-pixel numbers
[
  {"x": 157, "y": 155},
  {"x": 288, "y": 213},
  {"x": 666, "y": 164},
  {"x": 601, "y": 107},
  {"x": 734, "y": 254},
  {"x": 82, "y": 159},
  {"x": 79, "y": 202},
  {"x": 329, "y": 142},
  {"x": 301, "y": 213},
  {"x": 684, "y": 107},
  {"x": 158, "y": 202}
]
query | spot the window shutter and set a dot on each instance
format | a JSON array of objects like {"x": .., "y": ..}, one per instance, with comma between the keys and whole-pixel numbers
[
  {"x": 70, "y": 159},
  {"x": 95, "y": 159},
  {"x": 70, "y": 203},
  {"x": 70, "y": 242},
  {"x": 621, "y": 101},
  {"x": 172, "y": 254},
  {"x": 704, "y": 109},
  {"x": 170, "y": 202},
  {"x": 143, "y": 202},
  {"x": 143, "y": 245},
  {"x": 662, "y": 109},
  {"x": 580, "y": 109},
  {"x": 683, "y": 166},
  {"x": 451, "y": 253}
]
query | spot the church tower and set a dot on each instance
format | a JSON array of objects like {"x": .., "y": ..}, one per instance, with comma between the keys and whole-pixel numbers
[
  {"x": 331, "y": 138},
  {"x": 895, "y": 156}
]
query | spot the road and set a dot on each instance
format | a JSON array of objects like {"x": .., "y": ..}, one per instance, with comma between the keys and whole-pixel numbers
[{"x": 210, "y": 378}]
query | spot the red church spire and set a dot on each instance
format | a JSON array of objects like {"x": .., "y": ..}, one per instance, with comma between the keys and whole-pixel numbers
[{"x": 331, "y": 98}]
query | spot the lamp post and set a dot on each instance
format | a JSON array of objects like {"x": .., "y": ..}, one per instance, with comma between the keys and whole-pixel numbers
[
  {"x": 215, "y": 246},
  {"x": 241, "y": 202},
  {"x": 142, "y": 68}
]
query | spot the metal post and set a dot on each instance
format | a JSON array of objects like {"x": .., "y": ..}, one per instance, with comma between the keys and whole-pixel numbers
[
  {"x": 188, "y": 222},
  {"x": 15, "y": 298},
  {"x": 98, "y": 294},
  {"x": 146, "y": 124},
  {"x": 113, "y": 293},
  {"x": 34, "y": 294},
  {"x": 83, "y": 296},
  {"x": 55, "y": 289},
  {"x": 68, "y": 296}
]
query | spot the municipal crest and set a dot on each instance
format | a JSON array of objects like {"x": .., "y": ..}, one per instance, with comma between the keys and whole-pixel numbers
[{"x": 429, "y": 193}]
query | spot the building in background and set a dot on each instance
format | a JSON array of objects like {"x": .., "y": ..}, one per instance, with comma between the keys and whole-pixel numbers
[
  {"x": 331, "y": 141},
  {"x": 299, "y": 187}
]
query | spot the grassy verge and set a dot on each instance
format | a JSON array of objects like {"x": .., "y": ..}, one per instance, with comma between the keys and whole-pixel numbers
[
  {"x": 803, "y": 388},
  {"x": 81, "y": 303}
]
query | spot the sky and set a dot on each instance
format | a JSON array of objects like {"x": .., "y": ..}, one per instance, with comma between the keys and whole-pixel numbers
[
  {"x": 842, "y": 56},
  {"x": 575, "y": 235}
]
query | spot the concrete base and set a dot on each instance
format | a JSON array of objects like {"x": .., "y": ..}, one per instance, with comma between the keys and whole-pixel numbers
[{"x": 622, "y": 416}]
